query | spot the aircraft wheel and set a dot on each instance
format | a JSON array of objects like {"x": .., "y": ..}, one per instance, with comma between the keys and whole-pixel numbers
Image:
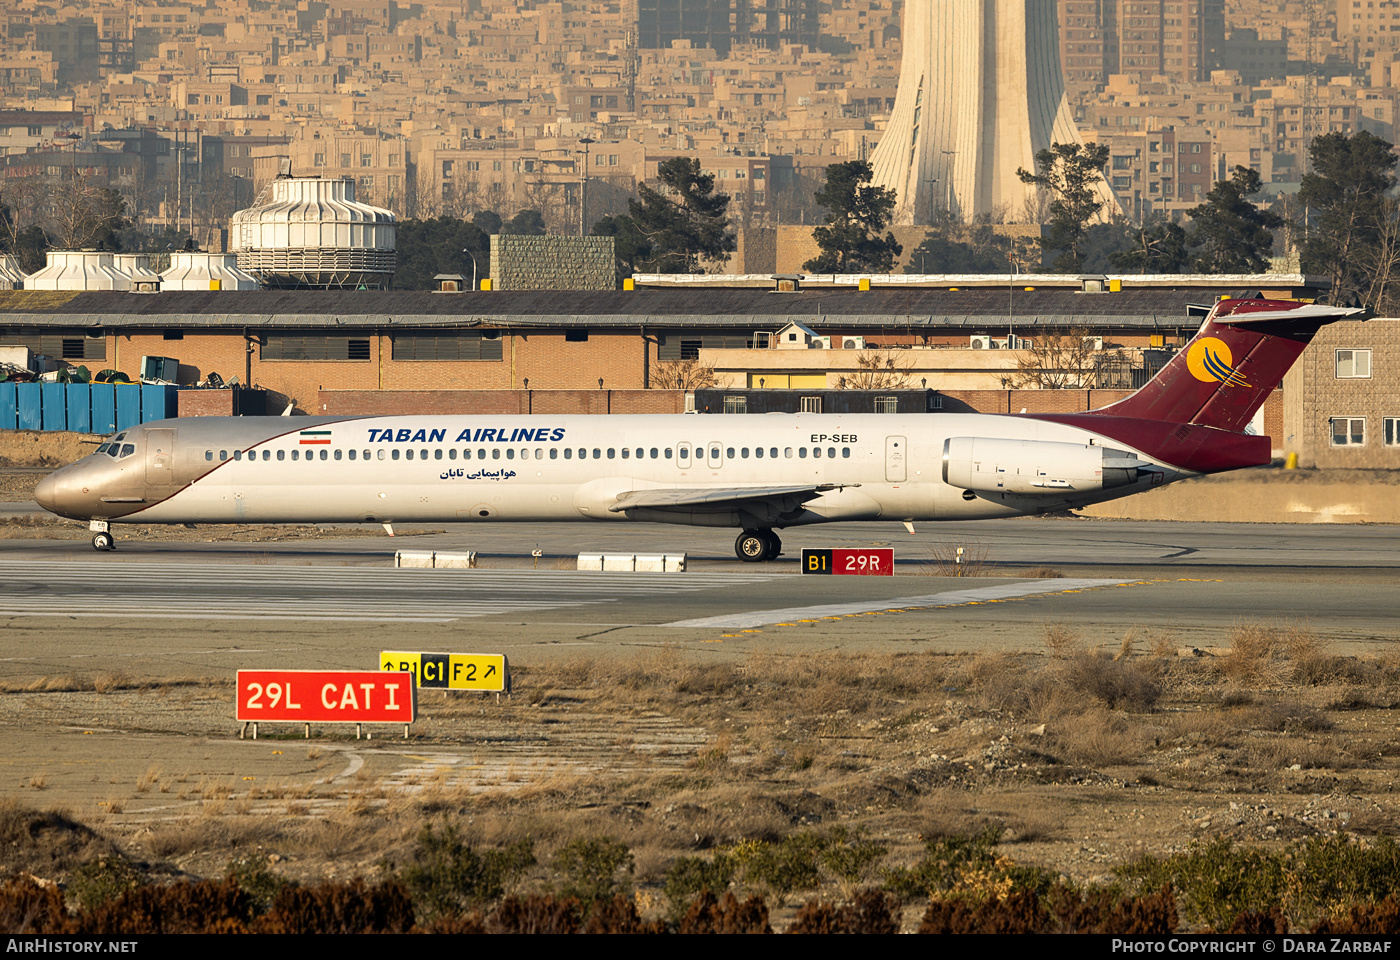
[
  {"x": 103, "y": 541},
  {"x": 753, "y": 546},
  {"x": 775, "y": 546}
]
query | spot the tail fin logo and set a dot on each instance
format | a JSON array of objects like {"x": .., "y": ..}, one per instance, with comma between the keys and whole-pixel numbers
[{"x": 1210, "y": 361}]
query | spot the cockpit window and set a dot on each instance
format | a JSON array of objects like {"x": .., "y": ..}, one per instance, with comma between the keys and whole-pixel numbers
[{"x": 127, "y": 450}]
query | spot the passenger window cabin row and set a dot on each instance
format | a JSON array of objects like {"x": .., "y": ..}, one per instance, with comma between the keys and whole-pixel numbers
[{"x": 682, "y": 454}]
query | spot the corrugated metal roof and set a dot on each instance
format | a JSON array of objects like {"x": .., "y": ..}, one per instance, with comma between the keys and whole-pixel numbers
[{"x": 689, "y": 307}]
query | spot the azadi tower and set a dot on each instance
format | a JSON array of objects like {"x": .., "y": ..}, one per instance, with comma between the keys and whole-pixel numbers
[{"x": 980, "y": 94}]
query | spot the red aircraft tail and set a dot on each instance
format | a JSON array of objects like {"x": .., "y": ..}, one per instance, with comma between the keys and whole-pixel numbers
[
  {"x": 1225, "y": 373},
  {"x": 1193, "y": 413}
]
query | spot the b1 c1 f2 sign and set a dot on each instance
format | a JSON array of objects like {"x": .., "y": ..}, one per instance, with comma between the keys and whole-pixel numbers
[
  {"x": 874, "y": 562},
  {"x": 321, "y": 696}
]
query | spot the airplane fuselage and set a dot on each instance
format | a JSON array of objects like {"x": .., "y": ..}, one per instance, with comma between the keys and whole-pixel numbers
[{"x": 452, "y": 468}]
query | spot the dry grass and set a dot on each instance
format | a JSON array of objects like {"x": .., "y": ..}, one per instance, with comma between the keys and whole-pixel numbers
[
  {"x": 1270, "y": 655},
  {"x": 1061, "y": 640},
  {"x": 952, "y": 559},
  {"x": 908, "y": 746}
]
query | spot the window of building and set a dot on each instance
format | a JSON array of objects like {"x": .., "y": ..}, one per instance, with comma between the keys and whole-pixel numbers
[
  {"x": 1348, "y": 431},
  {"x": 1353, "y": 364},
  {"x": 1392, "y": 431},
  {"x": 314, "y": 346},
  {"x": 811, "y": 405},
  {"x": 736, "y": 404},
  {"x": 446, "y": 345},
  {"x": 886, "y": 404},
  {"x": 576, "y": 335}
]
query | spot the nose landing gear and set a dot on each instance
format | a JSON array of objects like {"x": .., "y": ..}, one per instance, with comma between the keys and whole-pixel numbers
[
  {"x": 102, "y": 538},
  {"x": 757, "y": 546}
]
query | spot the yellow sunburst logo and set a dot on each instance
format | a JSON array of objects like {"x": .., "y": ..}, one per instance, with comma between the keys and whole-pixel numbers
[{"x": 1210, "y": 361}]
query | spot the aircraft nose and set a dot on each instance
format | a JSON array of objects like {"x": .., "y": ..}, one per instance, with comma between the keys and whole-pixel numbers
[{"x": 46, "y": 493}]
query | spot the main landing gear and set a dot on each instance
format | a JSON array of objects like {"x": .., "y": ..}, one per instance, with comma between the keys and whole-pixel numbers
[
  {"x": 102, "y": 538},
  {"x": 757, "y": 546}
]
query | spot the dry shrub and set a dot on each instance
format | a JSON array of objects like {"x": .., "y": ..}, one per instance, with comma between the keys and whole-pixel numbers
[
  {"x": 111, "y": 682},
  {"x": 29, "y": 907},
  {"x": 1060, "y": 639},
  {"x": 1278, "y": 753},
  {"x": 47, "y": 842},
  {"x": 727, "y": 914},
  {"x": 147, "y": 779},
  {"x": 1060, "y": 911},
  {"x": 945, "y": 561},
  {"x": 1098, "y": 738},
  {"x": 354, "y": 907},
  {"x": 1115, "y": 683},
  {"x": 536, "y": 914},
  {"x": 870, "y": 912},
  {"x": 1045, "y": 573},
  {"x": 1269, "y": 655},
  {"x": 203, "y": 907},
  {"x": 1364, "y": 919}
]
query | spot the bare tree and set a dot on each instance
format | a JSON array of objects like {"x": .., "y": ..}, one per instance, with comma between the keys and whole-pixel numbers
[
  {"x": 1060, "y": 360},
  {"x": 682, "y": 375},
  {"x": 878, "y": 370},
  {"x": 85, "y": 214},
  {"x": 1381, "y": 260}
]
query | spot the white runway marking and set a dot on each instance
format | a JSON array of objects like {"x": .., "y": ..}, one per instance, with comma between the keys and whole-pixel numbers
[
  {"x": 165, "y": 591},
  {"x": 951, "y": 598}
]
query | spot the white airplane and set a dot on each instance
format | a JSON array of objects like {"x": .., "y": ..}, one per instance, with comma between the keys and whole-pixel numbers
[{"x": 756, "y": 473}]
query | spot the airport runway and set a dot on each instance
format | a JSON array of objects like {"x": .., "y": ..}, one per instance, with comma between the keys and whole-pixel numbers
[{"x": 158, "y": 606}]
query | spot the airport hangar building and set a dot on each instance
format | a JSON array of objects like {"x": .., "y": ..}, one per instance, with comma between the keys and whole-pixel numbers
[{"x": 501, "y": 352}]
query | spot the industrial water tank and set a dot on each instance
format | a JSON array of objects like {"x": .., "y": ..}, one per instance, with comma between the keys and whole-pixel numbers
[
  {"x": 313, "y": 234},
  {"x": 191, "y": 270},
  {"x": 11, "y": 276},
  {"x": 78, "y": 270}
]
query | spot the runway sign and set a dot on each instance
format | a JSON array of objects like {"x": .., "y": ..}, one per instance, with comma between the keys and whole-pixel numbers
[
  {"x": 856, "y": 563},
  {"x": 325, "y": 696},
  {"x": 452, "y": 671}
]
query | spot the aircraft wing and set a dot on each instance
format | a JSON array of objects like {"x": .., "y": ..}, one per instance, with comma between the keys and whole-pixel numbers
[{"x": 662, "y": 498}]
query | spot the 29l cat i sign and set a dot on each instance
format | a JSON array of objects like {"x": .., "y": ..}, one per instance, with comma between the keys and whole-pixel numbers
[
  {"x": 324, "y": 696},
  {"x": 874, "y": 562}
]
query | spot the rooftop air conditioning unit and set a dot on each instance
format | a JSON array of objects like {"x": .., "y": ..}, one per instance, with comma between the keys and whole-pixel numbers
[
  {"x": 821, "y": 343},
  {"x": 999, "y": 343},
  {"x": 852, "y": 343},
  {"x": 980, "y": 342}
]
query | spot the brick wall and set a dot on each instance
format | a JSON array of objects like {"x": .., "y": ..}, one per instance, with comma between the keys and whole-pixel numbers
[
  {"x": 496, "y": 402},
  {"x": 1315, "y": 394}
]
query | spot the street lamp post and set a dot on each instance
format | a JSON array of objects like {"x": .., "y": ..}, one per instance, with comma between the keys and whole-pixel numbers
[
  {"x": 473, "y": 260},
  {"x": 583, "y": 186}
]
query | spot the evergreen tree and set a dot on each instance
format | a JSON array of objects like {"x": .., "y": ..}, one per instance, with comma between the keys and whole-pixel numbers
[
  {"x": 856, "y": 212},
  {"x": 952, "y": 246},
  {"x": 1070, "y": 173},
  {"x": 1344, "y": 198},
  {"x": 1230, "y": 234},
  {"x": 429, "y": 247},
  {"x": 673, "y": 232}
]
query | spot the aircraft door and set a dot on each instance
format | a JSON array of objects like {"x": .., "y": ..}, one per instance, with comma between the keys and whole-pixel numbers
[
  {"x": 896, "y": 459},
  {"x": 716, "y": 455},
  {"x": 160, "y": 446}
]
